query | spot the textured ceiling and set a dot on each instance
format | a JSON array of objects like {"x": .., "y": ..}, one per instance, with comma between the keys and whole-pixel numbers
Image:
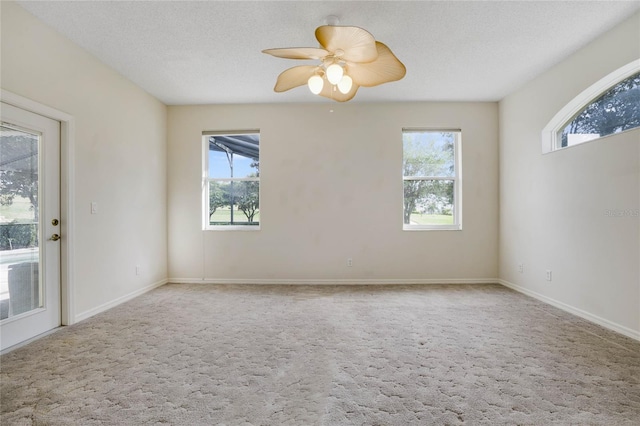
[{"x": 186, "y": 52}]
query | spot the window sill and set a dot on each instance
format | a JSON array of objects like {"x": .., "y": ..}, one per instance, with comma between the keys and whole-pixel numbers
[
  {"x": 233, "y": 228},
  {"x": 432, "y": 228}
]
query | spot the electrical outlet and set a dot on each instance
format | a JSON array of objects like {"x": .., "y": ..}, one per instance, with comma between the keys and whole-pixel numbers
[
  {"x": 548, "y": 275},
  {"x": 521, "y": 268},
  {"x": 349, "y": 262}
]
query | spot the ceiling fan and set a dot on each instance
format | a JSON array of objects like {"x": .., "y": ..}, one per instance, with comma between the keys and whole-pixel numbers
[{"x": 350, "y": 58}]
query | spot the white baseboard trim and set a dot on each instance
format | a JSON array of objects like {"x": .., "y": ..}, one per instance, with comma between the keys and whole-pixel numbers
[
  {"x": 337, "y": 281},
  {"x": 575, "y": 311},
  {"x": 106, "y": 306}
]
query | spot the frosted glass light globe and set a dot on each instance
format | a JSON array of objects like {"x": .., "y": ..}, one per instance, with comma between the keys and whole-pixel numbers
[
  {"x": 315, "y": 84},
  {"x": 334, "y": 73},
  {"x": 345, "y": 84}
]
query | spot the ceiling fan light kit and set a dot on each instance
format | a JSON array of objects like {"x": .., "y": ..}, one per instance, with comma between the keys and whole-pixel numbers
[
  {"x": 350, "y": 58},
  {"x": 334, "y": 73},
  {"x": 315, "y": 84}
]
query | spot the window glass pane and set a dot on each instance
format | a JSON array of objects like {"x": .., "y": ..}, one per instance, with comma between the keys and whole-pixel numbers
[
  {"x": 223, "y": 166},
  {"x": 219, "y": 165},
  {"x": 235, "y": 156},
  {"x": 429, "y": 153},
  {"x": 20, "y": 287},
  {"x": 218, "y": 201},
  {"x": 615, "y": 111},
  {"x": 428, "y": 202},
  {"x": 234, "y": 203},
  {"x": 246, "y": 198}
]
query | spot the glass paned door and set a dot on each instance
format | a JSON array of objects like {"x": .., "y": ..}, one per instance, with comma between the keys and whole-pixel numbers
[{"x": 29, "y": 225}]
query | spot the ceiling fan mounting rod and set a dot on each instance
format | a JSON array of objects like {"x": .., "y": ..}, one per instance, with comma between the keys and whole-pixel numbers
[{"x": 332, "y": 20}]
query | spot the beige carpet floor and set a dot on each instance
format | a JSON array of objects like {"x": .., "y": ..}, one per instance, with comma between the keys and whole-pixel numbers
[{"x": 325, "y": 355}]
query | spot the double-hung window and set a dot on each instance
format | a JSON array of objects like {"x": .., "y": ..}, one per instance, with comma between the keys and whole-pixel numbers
[
  {"x": 231, "y": 190},
  {"x": 431, "y": 177}
]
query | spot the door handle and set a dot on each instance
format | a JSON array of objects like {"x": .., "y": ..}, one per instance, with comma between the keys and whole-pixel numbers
[{"x": 55, "y": 237}]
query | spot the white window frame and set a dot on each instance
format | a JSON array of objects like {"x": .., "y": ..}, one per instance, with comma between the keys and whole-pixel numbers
[
  {"x": 206, "y": 179},
  {"x": 457, "y": 182},
  {"x": 550, "y": 140}
]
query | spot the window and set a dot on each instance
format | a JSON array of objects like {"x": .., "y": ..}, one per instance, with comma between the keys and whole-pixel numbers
[
  {"x": 232, "y": 180},
  {"x": 610, "y": 106},
  {"x": 617, "y": 110},
  {"x": 431, "y": 175}
]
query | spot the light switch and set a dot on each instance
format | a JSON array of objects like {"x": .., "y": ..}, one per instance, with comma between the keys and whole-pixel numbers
[{"x": 94, "y": 207}]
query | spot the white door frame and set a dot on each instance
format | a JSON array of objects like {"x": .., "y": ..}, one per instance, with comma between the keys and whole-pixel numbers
[{"x": 67, "y": 193}]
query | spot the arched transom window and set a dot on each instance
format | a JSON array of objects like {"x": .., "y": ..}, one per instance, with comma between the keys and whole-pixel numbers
[
  {"x": 610, "y": 106},
  {"x": 617, "y": 110}
]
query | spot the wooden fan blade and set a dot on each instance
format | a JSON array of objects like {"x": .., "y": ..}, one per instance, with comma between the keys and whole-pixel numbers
[
  {"x": 294, "y": 77},
  {"x": 329, "y": 92},
  {"x": 383, "y": 70},
  {"x": 357, "y": 44},
  {"x": 297, "y": 53}
]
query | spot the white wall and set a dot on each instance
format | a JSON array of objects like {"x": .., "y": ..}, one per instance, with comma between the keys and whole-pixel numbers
[
  {"x": 331, "y": 188},
  {"x": 120, "y": 158},
  {"x": 552, "y": 207}
]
